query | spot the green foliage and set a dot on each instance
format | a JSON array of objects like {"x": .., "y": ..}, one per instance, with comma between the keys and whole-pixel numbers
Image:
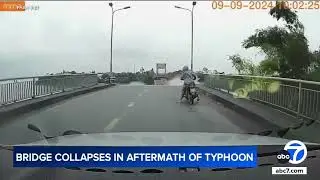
[
  {"x": 268, "y": 67},
  {"x": 296, "y": 57},
  {"x": 105, "y": 76},
  {"x": 127, "y": 77},
  {"x": 314, "y": 68},
  {"x": 148, "y": 80},
  {"x": 315, "y": 61},
  {"x": 286, "y": 48},
  {"x": 280, "y": 11},
  {"x": 205, "y": 70},
  {"x": 173, "y": 74},
  {"x": 289, "y": 50},
  {"x": 237, "y": 62},
  {"x": 315, "y": 75},
  {"x": 267, "y": 39},
  {"x": 201, "y": 76},
  {"x": 243, "y": 66}
]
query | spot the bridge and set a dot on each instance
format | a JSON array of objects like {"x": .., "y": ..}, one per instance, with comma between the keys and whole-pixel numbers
[{"x": 229, "y": 104}]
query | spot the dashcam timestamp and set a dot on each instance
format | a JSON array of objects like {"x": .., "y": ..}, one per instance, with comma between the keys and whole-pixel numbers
[
  {"x": 256, "y": 5},
  {"x": 18, "y": 6}
]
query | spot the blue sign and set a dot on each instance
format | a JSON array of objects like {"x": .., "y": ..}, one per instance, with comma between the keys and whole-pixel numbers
[{"x": 138, "y": 156}]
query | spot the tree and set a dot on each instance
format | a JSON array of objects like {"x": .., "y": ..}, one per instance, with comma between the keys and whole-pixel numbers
[
  {"x": 237, "y": 62},
  {"x": 281, "y": 11},
  {"x": 315, "y": 61},
  {"x": 287, "y": 47},
  {"x": 314, "y": 68},
  {"x": 148, "y": 77},
  {"x": 205, "y": 70},
  {"x": 243, "y": 66},
  {"x": 268, "y": 68},
  {"x": 142, "y": 70},
  {"x": 105, "y": 76}
]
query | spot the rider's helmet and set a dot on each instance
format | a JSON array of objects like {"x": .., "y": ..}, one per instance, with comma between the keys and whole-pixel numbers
[{"x": 185, "y": 68}]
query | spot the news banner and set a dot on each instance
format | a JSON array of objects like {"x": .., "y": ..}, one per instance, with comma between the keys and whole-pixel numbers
[
  {"x": 138, "y": 156},
  {"x": 294, "y": 152}
]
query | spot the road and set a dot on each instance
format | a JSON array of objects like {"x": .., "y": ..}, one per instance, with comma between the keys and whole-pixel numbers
[{"x": 133, "y": 108}]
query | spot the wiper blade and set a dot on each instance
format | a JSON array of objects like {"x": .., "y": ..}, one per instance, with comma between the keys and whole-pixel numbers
[
  {"x": 6, "y": 147},
  {"x": 37, "y": 129}
]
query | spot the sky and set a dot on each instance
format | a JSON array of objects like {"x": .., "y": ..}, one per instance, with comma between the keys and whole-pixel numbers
[{"x": 71, "y": 35}]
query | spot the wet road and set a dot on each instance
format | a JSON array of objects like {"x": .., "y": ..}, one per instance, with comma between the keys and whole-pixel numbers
[{"x": 132, "y": 107}]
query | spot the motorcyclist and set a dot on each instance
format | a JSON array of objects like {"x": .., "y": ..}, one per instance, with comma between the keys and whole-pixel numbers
[{"x": 188, "y": 78}]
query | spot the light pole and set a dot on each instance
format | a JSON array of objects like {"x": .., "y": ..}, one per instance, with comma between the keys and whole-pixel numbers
[
  {"x": 111, "y": 38},
  {"x": 191, "y": 11}
]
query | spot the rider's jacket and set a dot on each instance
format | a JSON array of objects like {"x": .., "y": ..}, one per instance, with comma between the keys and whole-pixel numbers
[{"x": 188, "y": 77}]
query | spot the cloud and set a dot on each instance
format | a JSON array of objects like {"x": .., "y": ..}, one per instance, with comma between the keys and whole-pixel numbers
[{"x": 76, "y": 36}]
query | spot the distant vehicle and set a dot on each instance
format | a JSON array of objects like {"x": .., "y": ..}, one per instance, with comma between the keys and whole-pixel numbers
[{"x": 112, "y": 80}]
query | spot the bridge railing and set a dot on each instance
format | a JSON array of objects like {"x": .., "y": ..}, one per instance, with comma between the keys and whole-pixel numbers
[
  {"x": 296, "y": 97},
  {"x": 18, "y": 89}
]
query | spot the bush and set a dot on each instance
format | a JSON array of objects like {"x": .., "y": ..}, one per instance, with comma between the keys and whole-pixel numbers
[{"x": 148, "y": 80}]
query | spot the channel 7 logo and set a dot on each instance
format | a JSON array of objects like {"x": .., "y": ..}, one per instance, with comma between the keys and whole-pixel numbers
[{"x": 294, "y": 152}]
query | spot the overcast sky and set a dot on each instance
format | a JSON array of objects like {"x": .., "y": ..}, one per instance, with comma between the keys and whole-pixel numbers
[{"x": 76, "y": 36}]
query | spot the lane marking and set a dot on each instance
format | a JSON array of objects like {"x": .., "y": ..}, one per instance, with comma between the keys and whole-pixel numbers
[
  {"x": 131, "y": 104},
  {"x": 112, "y": 124}
]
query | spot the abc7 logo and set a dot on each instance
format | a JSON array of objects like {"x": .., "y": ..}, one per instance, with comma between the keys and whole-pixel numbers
[
  {"x": 283, "y": 156},
  {"x": 297, "y": 154}
]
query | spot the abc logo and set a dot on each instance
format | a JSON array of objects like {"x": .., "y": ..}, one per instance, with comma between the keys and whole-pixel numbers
[
  {"x": 283, "y": 156},
  {"x": 294, "y": 152}
]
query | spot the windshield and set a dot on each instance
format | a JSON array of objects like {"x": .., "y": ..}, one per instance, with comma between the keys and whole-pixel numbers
[{"x": 238, "y": 67}]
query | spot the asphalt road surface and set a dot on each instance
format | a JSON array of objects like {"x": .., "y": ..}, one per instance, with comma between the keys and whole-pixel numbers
[{"x": 136, "y": 108}]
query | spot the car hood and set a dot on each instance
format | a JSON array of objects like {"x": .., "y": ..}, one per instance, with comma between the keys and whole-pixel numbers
[{"x": 161, "y": 139}]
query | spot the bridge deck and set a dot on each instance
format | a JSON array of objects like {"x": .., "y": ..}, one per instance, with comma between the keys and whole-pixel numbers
[{"x": 129, "y": 108}]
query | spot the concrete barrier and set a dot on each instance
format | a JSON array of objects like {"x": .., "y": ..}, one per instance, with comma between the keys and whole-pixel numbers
[
  {"x": 19, "y": 108},
  {"x": 283, "y": 125}
]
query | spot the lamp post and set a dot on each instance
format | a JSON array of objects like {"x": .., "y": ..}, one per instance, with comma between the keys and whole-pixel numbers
[
  {"x": 191, "y": 11},
  {"x": 111, "y": 39}
]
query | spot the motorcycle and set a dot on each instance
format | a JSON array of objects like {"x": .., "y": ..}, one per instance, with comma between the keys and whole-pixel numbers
[{"x": 191, "y": 93}]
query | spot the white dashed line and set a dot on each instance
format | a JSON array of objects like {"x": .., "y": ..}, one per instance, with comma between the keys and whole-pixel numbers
[
  {"x": 116, "y": 120},
  {"x": 112, "y": 124},
  {"x": 131, "y": 104}
]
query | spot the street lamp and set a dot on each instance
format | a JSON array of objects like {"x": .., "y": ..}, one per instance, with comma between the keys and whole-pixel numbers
[
  {"x": 113, "y": 11},
  {"x": 191, "y": 11}
]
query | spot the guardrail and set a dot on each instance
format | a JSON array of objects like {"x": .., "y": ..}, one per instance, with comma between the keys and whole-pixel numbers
[
  {"x": 296, "y": 97},
  {"x": 18, "y": 89}
]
